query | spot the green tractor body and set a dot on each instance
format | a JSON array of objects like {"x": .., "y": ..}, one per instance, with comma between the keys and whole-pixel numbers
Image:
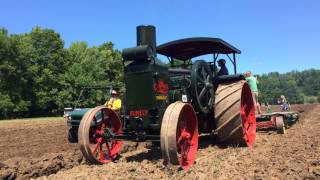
[{"x": 146, "y": 92}]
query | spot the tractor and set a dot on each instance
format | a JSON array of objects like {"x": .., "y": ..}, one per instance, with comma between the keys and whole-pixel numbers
[{"x": 172, "y": 103}]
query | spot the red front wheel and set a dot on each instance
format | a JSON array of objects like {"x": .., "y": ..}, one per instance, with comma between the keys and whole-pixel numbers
[
  {"x": 179, "y": 135},
  {"x": 96, "y": 131}
]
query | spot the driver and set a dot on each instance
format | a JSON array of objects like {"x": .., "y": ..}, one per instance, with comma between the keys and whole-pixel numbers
[
  {"x": 114, "y": 102},
  {"x": 223, "y": 69}
]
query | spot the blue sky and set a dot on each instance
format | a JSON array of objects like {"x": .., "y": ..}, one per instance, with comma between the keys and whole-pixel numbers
[{"x": 273, "y": 35}]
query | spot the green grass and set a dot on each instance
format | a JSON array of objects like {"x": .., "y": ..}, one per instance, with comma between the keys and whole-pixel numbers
[{"x": 30, "y": 119}]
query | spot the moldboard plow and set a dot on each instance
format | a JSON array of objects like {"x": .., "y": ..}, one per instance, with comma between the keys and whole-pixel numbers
[{"x": 279, "y": 121}]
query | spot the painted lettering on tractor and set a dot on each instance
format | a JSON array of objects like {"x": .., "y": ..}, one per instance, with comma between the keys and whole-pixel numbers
[{"x": 139, "y": 113}]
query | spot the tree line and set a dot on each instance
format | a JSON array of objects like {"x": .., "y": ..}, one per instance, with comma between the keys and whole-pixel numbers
[
  {"x": 298, "y": 87},
  {"x": 40, "y": 77}
]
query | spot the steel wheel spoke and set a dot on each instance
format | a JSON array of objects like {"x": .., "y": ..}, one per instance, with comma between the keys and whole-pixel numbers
[
  {"x": 210, "y": 102},
  {"x": 203, "y": 72},
  {"x": 208, "y": 79},
  {"x": 96, "y": 146},
  {"x": 200, "y": 80},
  {"x": 108, "y": 148},
  {"x": 202, "y": 93},
  {"x": 101, "y": 152}
]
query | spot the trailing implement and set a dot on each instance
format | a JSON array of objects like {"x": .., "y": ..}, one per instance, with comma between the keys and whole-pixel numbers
[
  {"x": 172, "y": 103},
  {"x": 279, "y": 121}
]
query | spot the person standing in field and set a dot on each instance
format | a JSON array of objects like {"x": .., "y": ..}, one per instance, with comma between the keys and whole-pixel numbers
[
  {"x": 114, "y": 102},
  {"x": 252, "y": 81},
  {"x": 285, "y": 106}
]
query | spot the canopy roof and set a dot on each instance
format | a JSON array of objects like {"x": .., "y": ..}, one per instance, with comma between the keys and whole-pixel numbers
[{"x": 188, "y": 48}]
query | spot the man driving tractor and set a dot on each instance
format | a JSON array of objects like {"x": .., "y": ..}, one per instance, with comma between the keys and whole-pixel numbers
[
  {"x": 223, "y": 69},
  {"x": 114, "y": 102}
]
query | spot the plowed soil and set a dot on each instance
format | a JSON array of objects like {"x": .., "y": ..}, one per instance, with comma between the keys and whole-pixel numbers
[{"x": 40, "y": 150}]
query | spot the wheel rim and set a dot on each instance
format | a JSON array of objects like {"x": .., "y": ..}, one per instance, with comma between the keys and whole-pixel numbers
[
  {"x": 187, "y": 138},
  {"x": 280, "y": 124},
  {"x": 96, "y": 132},
  {"x": 202, "y": 86},
  {"x": 179, "y": 135},
  {"x": 248, "y": 115}
]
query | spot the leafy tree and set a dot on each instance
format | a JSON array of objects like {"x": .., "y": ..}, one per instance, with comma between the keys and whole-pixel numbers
[
  {"x": 13, "y": 76},
  {"x": 48, "y": 63},
  {"x": 298, "y": 87},
  {"x": 269, "y": 87},
  {"x": 112, "y": 65},
  {"x": 91, "y": 67},
  {"x": 6, "y": 105}
]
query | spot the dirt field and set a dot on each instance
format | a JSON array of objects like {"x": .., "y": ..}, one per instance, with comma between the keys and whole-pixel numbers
[{"x": 40, "y": 150}]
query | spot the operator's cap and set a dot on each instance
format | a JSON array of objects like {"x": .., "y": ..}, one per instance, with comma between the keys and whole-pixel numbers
[
  {"x": 114, "y": 92},
  {"x": 222, "y": 61}
]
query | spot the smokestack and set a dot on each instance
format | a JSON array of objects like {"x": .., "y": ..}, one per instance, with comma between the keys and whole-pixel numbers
[{"x": 146, "y": 35}]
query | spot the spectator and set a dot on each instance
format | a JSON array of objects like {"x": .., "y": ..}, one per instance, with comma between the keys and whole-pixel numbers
[
  {"x": 285, "y": 106},
  {"x": 252, "y": 81}
]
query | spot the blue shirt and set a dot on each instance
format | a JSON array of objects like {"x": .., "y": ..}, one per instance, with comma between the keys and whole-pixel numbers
[{"x": 223, "y": 71}]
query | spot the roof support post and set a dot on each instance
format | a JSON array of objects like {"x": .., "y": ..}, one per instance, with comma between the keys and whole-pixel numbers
[
  {"x": 234, "y": 63},
  {"x": 215, "y": 57}
]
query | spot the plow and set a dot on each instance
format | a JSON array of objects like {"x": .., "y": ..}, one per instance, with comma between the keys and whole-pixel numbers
[
  {"x": 279, "y": 121},
  {"x": 170, "y": 104}
]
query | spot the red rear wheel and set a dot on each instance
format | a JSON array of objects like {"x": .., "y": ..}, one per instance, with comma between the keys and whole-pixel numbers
[
  {"x": 179, "y": 135},
  {"x": 96, "y": 131},
  {"x": 248, "y": 116},
  {"x": 235, "y": 114}
]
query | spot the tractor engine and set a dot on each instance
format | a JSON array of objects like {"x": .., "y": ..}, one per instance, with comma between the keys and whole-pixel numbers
[
  {"x": 150, "y": 85},
  {"x": 146, "y": 82}
]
